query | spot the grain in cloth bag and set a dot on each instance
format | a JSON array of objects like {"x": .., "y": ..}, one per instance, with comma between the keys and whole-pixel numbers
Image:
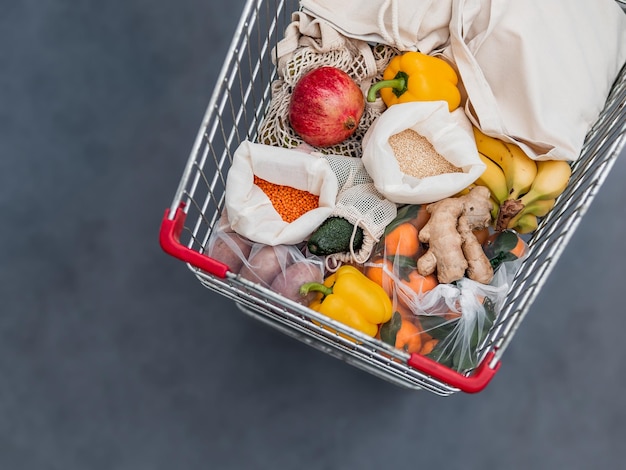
[{"x": 448, "y": 134}]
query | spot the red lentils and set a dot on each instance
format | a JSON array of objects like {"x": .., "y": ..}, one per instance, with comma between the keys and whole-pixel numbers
[{"x": 290, "y": 203}]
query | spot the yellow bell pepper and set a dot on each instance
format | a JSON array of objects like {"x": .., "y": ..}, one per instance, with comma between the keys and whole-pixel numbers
[
  {"x": 414, "y": 76},
  {"x": 351, "y": 298}
]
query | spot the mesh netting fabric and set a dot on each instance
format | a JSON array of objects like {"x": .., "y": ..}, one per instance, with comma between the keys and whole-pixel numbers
[
  {"x": 363, "y": 62},
  {"x": 362, "y": 205}
]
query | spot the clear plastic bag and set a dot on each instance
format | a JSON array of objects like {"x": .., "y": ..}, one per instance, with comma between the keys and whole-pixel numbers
[
  {"x": 446, "y": 322},
  {"x": 282, "y": 268}
]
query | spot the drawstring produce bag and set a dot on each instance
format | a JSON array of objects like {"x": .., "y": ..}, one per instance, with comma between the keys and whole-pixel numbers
[
  {"x": 403, "y": 24},
  {"x": 410, "y": 144},
  {"x": 310, "y": 43},
  {"x": 537, "y": 73},
  {"x": 252, "y": 213},
  {"x": 359, "y": 202}
]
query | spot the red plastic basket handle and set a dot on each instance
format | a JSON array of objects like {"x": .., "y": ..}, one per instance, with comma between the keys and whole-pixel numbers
[
  {"x": 467, "y": 383},
  {"x": 169, "y": 238}
]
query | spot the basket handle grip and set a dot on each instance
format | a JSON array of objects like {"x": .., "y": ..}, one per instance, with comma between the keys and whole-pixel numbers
[
  {"x": 470, "y": 384},
  {"x": 169, "y": 239}
]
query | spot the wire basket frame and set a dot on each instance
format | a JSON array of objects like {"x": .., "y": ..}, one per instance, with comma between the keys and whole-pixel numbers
[{"x": 235, "y": 112}]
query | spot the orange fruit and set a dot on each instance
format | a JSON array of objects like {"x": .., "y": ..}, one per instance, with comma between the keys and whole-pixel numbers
[
  {"x": 428, "y": 346},
  {"x": 409, "y": 337},
  {"x": 505, "y": 245},
  {"x": 417, "y": 284},
  {"x": 519, "y": 250},
  {"x": 377, "y": 270},
  {"x": 402, "y": 241}
]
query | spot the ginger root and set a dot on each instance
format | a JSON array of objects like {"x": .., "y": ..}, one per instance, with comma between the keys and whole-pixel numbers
[{"x": 453, "y": 249}]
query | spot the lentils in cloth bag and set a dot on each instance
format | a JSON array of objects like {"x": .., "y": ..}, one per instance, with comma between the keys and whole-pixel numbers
[{"x": 251, "y": 212}]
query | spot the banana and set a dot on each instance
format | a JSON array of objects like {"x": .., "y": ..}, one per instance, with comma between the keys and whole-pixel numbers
[
  {"x": 518, "y": 168},
  {"x": 539, "y": 208},
  {"x": 494, "y": 179},
  {"x": 526, "y": 224},
  {"x": 524, "y": 171},
  {"x": 552, "y": 178},
  {"x": 495, "y": 209}
]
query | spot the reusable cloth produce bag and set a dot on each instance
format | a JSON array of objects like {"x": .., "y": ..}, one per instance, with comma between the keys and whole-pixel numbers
[
  {"x": 360, "y": 203},
  {"x": 403, "y": 24},
  {"x": 537, "y": 72},
  {"x": 250, "y": 211},
  {"x": 449, "y": 133}
]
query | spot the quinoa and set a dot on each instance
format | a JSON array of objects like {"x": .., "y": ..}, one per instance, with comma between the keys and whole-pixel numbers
[{"x": 417, "y": 156}]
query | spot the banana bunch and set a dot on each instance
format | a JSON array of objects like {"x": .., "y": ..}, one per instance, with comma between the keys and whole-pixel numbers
[{"x": 522, "y": 189}]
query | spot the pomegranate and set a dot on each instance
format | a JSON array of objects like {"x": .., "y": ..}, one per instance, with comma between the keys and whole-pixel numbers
[{"x": 326, "y": 106}]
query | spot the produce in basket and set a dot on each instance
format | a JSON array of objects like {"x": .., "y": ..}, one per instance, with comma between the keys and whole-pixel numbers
[
  {"x": 446, "y": 322},
  {"x": 453, "y": 250},
  {"x": 349, "y": 297},
  {"x": 282, "y": 268},
  {"x": 414, "y": 76},
  {"x": 335, "y": 235},
  {"x": 405, "y": 332},
  {"x": 504, "y": 246},
  {"x": 326, "y": 106},
  {"x": 524, "y": 189},
  {"x": 287, "y": 282},
  {"x": 519, "y": 169},
  {"x": 552, "y": 178}
]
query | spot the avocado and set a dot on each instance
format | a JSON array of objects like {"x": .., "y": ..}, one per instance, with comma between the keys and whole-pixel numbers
[{"x": 333, "y": 236}]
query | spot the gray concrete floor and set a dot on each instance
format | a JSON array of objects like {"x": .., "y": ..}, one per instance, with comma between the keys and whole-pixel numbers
[{"x": 112, "y": 355}]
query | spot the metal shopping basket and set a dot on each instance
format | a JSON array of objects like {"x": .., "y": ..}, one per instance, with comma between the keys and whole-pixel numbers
[{"x": 234, "y": 113}]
